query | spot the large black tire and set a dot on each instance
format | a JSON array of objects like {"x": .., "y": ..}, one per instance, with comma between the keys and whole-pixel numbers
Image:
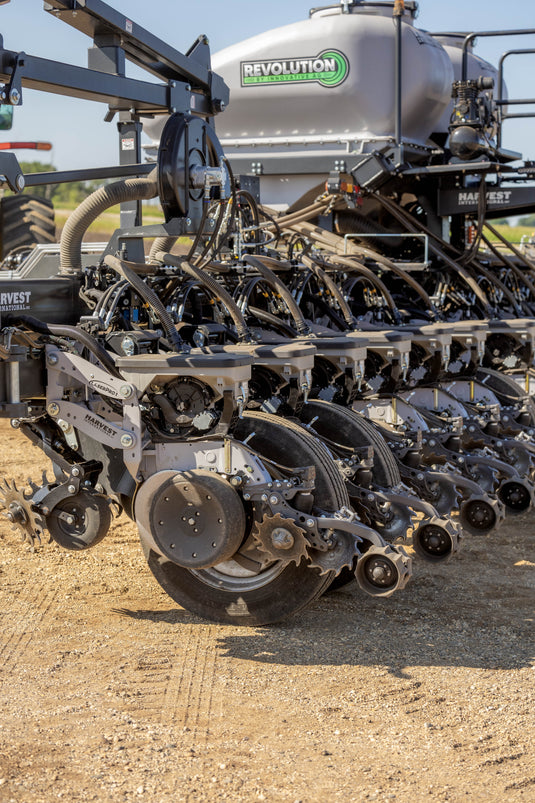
[
  {"x": 350, "y": 428},
  {"x": 25, "y": 221},
  {"x": 278, "y": 591}
]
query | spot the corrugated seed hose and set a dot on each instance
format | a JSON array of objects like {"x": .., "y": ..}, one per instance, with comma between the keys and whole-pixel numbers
[{"x": 130, "y": 189}]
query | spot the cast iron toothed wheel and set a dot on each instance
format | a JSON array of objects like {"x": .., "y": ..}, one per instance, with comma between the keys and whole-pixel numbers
[
  {"x": 381, "y": 571},
  {"x": 232, "y": 594},
  {"x": 515, "y": 496},
  {"x": 478, "y": 516},
  {"x": 433, "y": 542}
]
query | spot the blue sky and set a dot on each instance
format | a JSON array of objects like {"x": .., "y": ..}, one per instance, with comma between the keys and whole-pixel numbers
[{"x": 76, "y": 128}]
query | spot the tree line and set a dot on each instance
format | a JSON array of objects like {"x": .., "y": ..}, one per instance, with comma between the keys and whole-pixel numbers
[{"x": 60, "y": 194}]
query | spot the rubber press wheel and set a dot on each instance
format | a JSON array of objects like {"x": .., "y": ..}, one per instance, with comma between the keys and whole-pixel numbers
[
  {"x": 338, "y": 424},
  {"x": 229, "y": 593}
]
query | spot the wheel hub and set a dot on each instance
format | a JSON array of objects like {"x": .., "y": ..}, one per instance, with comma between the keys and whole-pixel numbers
[{"x": 195, "y": 519}]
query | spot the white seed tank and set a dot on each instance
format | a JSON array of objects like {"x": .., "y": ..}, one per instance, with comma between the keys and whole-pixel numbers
[{"x": 330, "y": 78}]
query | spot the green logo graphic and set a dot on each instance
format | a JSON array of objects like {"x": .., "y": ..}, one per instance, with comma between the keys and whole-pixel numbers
[{"x": 330, "y": 68}]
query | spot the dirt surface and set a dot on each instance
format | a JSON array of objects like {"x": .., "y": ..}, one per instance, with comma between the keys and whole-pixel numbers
[{"x": 109, "y": 692}]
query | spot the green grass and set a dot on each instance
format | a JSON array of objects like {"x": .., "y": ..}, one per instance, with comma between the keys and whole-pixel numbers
[
  {"x": 108, "y": 221},
  {"x": 512, "y": 233}
]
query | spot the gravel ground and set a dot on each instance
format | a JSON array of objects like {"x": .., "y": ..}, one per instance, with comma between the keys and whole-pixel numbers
[{"x": 109, "y": 692}]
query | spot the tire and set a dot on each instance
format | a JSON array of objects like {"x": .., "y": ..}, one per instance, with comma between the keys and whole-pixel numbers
[
  {"x": 334, "y": 420},
  {"x": 25, "y": 221},
  {"x": 279, "y": 590}
]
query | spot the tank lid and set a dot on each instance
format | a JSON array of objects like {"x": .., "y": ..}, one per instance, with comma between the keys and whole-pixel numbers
[
  {"x": 453, "y": 38},
  {"x": 382, "y": 8}
]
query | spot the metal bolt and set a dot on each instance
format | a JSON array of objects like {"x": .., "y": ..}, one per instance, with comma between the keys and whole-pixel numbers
[
  {"x": 188, "y": 221},
  {"x": 45, "y": 510},
  {"x": 235, "y": 481},
  {"x": 273, "y": 499},
  {"x": 247, "y": 497},
  {"x": 14, "y": 97},
  {"x": 64, "y": 425},
  {"x": 281, "y": 538},
  {"x": 53, "y": 408},
  {"x": 52, "y": 359},
  {"x": 20, "y": 183},
  {"x": 75, "y": 471},
  {"x": 126, "y": 391},
  {"x": 71, "y": 489},
  {"x": 69, "y": 519},
  {"x": 127, "y": 440},
  {"x": 370, "y": 497},
  {"x": 309, "y": 522},
  {"x": 15, "y": 423},
  {"x": 264, "y": 497}
]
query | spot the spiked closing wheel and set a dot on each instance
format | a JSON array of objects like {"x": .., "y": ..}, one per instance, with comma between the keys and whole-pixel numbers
[
  {"x": 18, "y": 510},
  {"x": 280, "y": 538}
]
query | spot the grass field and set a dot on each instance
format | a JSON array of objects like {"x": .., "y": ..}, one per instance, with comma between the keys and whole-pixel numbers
[
  {"x": 109, "y": 221},
  {"x": 513, "y": 233}
]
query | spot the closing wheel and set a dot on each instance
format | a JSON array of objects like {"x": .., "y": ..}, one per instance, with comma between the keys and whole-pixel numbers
[
  {"x": 479, "y": 515},
  {"x": 435, "y": 540},
  {"x": 381, "y": 571},
  {"x": 79, "y": 522},
  {"x": 238, "y": 591},
  {"x": 515, "y": 495}
]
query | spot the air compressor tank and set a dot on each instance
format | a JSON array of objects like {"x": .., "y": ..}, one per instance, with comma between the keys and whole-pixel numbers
[{"x": 476, "y": 67}]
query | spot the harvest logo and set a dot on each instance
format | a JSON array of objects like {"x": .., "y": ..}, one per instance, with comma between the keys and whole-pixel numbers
[
  {"x": 329, "y": 69},
  {"x": 11, "y": 302}
]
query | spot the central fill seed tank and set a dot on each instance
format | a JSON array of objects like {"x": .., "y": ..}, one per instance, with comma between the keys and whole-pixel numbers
[{"x": 329, "y": 81}]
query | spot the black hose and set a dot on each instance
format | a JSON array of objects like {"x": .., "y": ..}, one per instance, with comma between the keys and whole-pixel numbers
[
  {"x": 215, "y": 288},
  {"x": 73, "y": 333},
  {"x": 148, "y": 295},
  {"x": 130, "y": 189},
  {"x": 335, "y": 291},
  {"x": 273, "y": 280}
]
